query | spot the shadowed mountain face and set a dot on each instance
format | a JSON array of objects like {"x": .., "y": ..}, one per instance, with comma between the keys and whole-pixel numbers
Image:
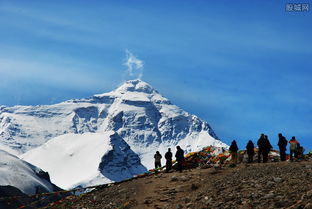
[
  {"x": 10, "y": 191},
  {"x": 142, "y": 117},
  {"x": 120, "y": 162}
]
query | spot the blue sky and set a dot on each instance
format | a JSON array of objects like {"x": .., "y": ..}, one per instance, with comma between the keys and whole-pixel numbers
[{"x": 244, "y": 67}]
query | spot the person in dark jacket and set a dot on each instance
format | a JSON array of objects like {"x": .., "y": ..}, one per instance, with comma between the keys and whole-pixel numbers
[
  {"x": 233, "y": 149},
  {"x": 157, "y": 157},
  {"x": 282, "y": 144},
  {"x": 180, "y": 158},
  {"x": 264, "y": 148},
  {"x": 250, "y": 151},
  {"x": 168, "y": 157},
  {"x": 260, "y": 144},
  {"x": 299, "y": 152}
]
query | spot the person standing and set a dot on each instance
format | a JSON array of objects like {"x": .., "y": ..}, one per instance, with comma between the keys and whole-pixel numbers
[
  {"x": 299, "y": 152},
  {"x": 260, "y": 144},
  {"x": 157, "y": 157},
  {"x": 282, "y": 144},
  {"x": 180, "y": 158},
  {"x": 250, "y": 151},
  {"x": 264, "y": 146},
  {"x": 233, "y": 150},
  {"x": 292, "y": 147},
  {"x": 266, "y": 149},
  {"x": 168, "y": 157}
]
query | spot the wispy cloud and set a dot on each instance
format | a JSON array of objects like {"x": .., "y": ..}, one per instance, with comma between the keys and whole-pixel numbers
[
  {"x": 53, "y": 73},
  {"x": 134, "y": 65},
  {"x": 38, "y": 16},
  {"x": 49, "y": 27}
]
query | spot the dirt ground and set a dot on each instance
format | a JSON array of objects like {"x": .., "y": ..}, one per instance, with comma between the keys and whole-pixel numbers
[{"x": 269, "y": 185}]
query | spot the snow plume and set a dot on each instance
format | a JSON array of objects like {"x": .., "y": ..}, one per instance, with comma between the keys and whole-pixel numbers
[{"x": 134, "y": 66}]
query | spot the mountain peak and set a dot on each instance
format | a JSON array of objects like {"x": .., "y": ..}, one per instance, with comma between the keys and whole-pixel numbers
[
  {"x": 143, "y": 119},
  {"x": 136, "y": 85},
  {"x": 131, "y": 86}
]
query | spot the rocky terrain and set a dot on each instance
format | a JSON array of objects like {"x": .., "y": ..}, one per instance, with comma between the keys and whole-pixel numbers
[{"x": 270, "y": 185}]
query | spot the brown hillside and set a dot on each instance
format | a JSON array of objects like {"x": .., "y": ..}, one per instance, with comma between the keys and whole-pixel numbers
[{"x": 270, "y": 185}]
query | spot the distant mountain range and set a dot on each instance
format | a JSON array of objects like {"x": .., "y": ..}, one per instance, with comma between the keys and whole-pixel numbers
[{"x": 107, "y": 137}]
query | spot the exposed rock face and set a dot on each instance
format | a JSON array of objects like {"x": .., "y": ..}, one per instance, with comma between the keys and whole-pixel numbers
[
  {"x": 120, "y": 162},
  {"x": 10, "y": 191}
]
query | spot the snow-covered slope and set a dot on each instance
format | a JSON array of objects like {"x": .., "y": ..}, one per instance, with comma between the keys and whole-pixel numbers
[
  {"x": 141, "y": 116},
  {"x": 86, "y": 159},
  {"x": 22, "y": 175}
]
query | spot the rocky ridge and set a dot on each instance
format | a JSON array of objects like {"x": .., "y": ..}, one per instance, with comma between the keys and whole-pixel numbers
[{"x": 270, "y": 185}]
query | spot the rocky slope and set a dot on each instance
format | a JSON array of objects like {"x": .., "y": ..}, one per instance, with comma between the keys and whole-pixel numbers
[{"x": 270, "y": 185}]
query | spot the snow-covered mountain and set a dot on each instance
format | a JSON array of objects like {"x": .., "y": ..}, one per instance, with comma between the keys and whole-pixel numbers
[
  {"x": 86, "y": 159},
  {"x": 140, "y": 117},
  {"x": 22, "y": 175}
]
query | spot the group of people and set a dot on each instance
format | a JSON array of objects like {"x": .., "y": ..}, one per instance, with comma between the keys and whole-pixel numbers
[
  {"x": 264, "y": 147},
  {"x": 168, "y": 156}
]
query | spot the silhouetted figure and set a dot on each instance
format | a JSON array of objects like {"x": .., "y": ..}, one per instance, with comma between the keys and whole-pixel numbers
[
  {"x": 260, "y": 144},
  {"x": 267, "y": 148},
  {"x": 250, "y": 151},
  {"x": 282, "y": 144},
  {"x": 233, "y": 149},
  {"x": 292, "y": 147},
  {"x": 168, "y": 157},
  {"x": 264, "y": 148},
  {"x": 299, "y": 152},
  {"x": 180, "y": 158},
  {"x": 157, "y": 157}
]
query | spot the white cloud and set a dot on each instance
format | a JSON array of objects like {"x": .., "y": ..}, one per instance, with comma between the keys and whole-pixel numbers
[
  {"x": 134, "y": 65},
  {"x": 53, "y": 73}
]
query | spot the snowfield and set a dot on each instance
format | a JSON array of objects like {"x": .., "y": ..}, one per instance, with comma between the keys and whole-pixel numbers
[
  {"x": 22, "y": 175},
  {"x": 75, "y": 159}
]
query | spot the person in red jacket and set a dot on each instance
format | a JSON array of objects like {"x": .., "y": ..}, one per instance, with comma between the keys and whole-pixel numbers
[{"x": 292, "y": 147}]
